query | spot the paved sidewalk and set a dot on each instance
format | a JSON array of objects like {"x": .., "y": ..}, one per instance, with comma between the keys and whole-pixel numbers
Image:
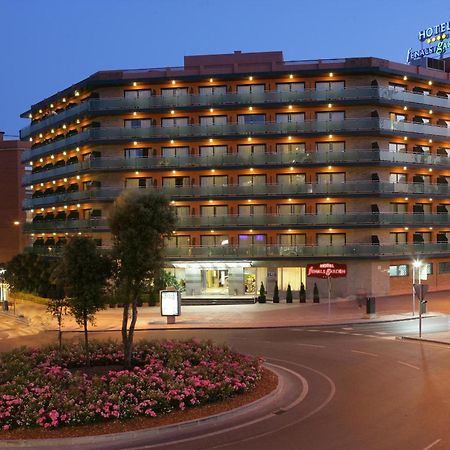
[{"x": 248, "y": 316}]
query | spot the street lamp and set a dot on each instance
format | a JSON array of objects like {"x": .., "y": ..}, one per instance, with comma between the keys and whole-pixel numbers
[{"x": 417, "y": 264}]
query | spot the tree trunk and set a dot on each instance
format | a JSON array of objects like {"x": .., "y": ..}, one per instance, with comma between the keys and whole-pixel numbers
[
  {"x": 60, "y": 331},
  {"x": 86, "y": 341},
  {"x": 125, "y": 333},
  {"x": 130, "y": 337}
]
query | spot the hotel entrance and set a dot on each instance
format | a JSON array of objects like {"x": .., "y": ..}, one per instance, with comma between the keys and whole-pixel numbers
[{"x": 215, "y": 281}]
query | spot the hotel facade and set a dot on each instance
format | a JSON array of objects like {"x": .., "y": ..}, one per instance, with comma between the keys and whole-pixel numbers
[{"x": 270, "y": 164}]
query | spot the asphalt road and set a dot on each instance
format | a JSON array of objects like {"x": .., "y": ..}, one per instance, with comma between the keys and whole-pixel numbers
[{"x": 348, "y": 387}]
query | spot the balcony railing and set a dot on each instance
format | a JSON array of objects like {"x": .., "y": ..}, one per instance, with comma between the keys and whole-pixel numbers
[
  {"x": 238, "y": 160},
  {"x": 354, "y": 188},
  {"x": 279, "y": 251},
  {"x": 110, "y": 105},
  {"x": 117, "y": 134},
  {"x": 261, "y": 221}
]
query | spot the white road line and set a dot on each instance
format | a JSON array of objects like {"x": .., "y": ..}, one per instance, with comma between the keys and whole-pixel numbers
[
  {"x": 356, "y": 334},
  {"x": 432, "y": 444},
  {"x": 364, "y": 353},
  {"x": 347, "y": 328},
  {"x": 409, "y": 365},
  {"x": 311, "y": 345},
  {"x": 313, "y": 331},
  {"x": 380, "y": 332},
  {"x": 341, "y": 332},
  {"x": 330, "y": 331}
]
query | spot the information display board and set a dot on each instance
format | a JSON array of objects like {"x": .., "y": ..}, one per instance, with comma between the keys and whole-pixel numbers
[{"x": 170, "y": 303}]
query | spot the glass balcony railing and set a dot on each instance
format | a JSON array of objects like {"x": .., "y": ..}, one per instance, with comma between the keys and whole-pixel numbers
[
  {"x": 110, "y": 105},
  {"x": 355, "y": 188},
  {"x": 279, "y": 251},
  {"x": 261, "y": 221},
  {"x": 238, "y": 160},
  {"x": 117, "y": 134}
]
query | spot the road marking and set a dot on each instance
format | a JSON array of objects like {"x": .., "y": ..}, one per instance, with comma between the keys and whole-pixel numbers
[
  {"x": 330, "y": 331},
  {"x": 356, "y": 334},
  {"x": 313, "y": 331},
  {"x": 341, "y": 332},
  {"x": 311, "y": 345},
  {"x": 347, "y": 328},
  {"x": 432, "y": 444},
  {"x": 364, "y": 353},
  {"x": 380, "y": 332},
  {"x": 409, "y": 365}
]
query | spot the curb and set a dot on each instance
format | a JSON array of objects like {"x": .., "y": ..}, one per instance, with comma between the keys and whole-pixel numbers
[
  {"x": 428, "y": 341},
  {"x": 256, "y": 327},
  {"x": 148, "y": 432}
]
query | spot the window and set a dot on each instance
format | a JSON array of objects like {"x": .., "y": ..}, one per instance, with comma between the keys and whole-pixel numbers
[
  {"x": 251, "y": 118},
  {"x": 291, "y": 178},
  {"x": 330, "y": 208},
  {"x": 330, "y": 116},
  {"x": 419, "y": 90},
  {"x": 444, "y": 267},
  {"x": 248, "y": 150},
  {"x": 214, "y": 240},
  {"x": 137, "y": 123},
  {"x": 250, "y": 88},
  {"x": 175, "y": 181},
  {"x": 328, "y": 178},
  {"x": 420, "y": 237},
  {"x": 400, "y": 270},
  {"x": 214, "y": 180},
  {"x": 213, "y": 150},
  {"x": 399, "y": 208},
  {"x": 292, "y": 240},
  {"x": 291, "y": 210},
  {"x": 424, "y": 208},
  {"x": 398, "y": 178},
  {"x": 252, "y": 210},
  {"x": 174, "y": 151},
  {"x": 178, "y": 241},
  {"x": 212, "y": 90},
  {"x": 297, "y": 147},
  {"x": 137, "y": 93},
  {"x": 330, "y": 85},
  {"x": 133, "y": 183},
  {"x": 248, "y": 240},
  {"x": 213, "y": 211},
  {"x": 330, "y": 146},
  {"x": 183, "y": 211},
  {"x": 397, "y": 87},
  {"x": 396, "y": 148},
  {"x": 130, "y": 153},
  {"x": 251, "y": 180},
  {"x": 213, "y": 120},
  {"x": 174, "y": 121},
  {"x": 174, "y": 92},
  {"x": 399, "y": 238},
  {"x": 290, "y": 117},
  {"x": 397, "y": 117},
  {"x": 326, "y": 239},
  {"x": 421, "y": 120},
  {"x": 290, "y": 87},
  {"x": 429, "y": 268}
]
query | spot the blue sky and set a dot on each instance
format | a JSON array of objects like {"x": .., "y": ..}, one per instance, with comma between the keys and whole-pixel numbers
[{"x": 47, "y": 45}]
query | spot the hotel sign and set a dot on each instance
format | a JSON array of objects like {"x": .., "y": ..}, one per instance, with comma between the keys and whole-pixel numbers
[
  {"x": 437, "y": 39},
  {"x": 326, "y": 270}
]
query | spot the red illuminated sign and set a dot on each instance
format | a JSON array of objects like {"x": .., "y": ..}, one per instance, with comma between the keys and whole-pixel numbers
[{"x": 326, "y": 270}]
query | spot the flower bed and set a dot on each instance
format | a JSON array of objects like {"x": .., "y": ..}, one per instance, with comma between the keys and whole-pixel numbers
[{"x": 49, "y": 389}]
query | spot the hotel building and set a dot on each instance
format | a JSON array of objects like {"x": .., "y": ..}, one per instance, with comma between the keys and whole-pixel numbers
[{"x": 270, "y": 164}]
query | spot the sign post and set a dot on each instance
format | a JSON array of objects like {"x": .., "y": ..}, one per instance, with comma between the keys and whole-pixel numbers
[
  {"x": 328, "y": 271},
  {"x": 421, "y": 290},
  {"x": 170, "y": 301}
]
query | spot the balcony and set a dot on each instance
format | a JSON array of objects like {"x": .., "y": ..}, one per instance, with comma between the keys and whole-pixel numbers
[
  {"x": 263, "y": 252},
  {"x": 233, "y": 130},
  {"x": 355, "y": 188},
  {"x": 261, "y": 221},
  {"x": 107, "y": 106},
  {"x": 350, "y": 157}
]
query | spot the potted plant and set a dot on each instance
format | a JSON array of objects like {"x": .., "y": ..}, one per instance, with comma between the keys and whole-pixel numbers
[
  {"x": 276, "y": 295},
  {"x": 262, "y": 294},
  {"x": 289, "y": 294},
  {"x": 316, "y": 298},
  {"x": 302, "y": 293}
]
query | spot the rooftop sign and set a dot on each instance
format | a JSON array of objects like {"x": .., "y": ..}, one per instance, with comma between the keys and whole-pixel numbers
[{"x": 437, "y": 39}]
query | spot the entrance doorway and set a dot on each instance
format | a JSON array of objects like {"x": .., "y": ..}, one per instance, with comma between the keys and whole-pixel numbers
[{"x": 215, "y": 282}]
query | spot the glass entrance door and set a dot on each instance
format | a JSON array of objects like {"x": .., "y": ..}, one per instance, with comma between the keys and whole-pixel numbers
[{"x": 215, "y": 282}]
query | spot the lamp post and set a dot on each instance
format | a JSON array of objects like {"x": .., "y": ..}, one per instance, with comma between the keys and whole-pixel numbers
[{"x": 417, "y": 264}]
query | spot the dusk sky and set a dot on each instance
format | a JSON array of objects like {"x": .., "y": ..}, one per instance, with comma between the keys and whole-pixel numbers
[{"x": 48, "y": 45}]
